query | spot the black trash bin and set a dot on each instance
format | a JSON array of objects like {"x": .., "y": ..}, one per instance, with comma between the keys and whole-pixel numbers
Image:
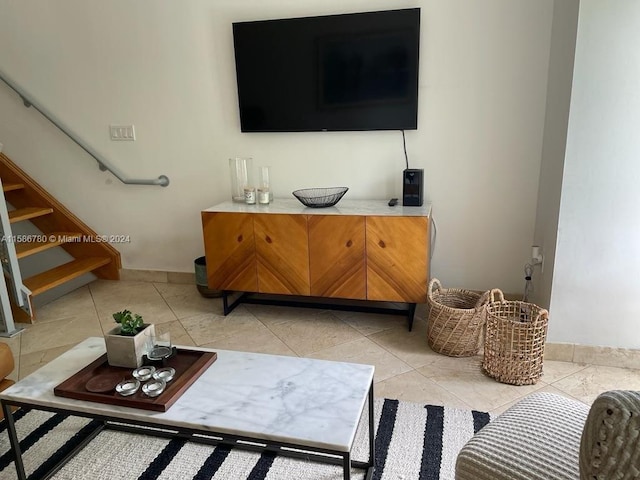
[{"x": 200, "y": 265}]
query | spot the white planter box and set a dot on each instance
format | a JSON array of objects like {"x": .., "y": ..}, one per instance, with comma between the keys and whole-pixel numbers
[{"x": 126, "y": 351}]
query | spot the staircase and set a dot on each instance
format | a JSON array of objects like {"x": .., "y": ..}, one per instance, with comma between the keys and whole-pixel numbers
[{"x": 59, "y": 228}]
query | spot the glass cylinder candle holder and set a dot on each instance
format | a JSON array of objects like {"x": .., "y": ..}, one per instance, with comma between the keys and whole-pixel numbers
[{"x": 240, "y": 169}]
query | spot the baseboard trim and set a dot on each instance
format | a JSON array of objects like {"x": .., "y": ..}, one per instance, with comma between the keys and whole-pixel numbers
[
  {"x": 157, "y": 276},
  {"x": 595, "y": 355}
]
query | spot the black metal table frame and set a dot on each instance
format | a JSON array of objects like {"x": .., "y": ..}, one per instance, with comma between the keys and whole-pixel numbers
[
  {"x": 257, "y": 299},
  {"x": 321, "y": 455}
]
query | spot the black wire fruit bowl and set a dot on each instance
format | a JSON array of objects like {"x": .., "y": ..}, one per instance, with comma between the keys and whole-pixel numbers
[{"x": 320, "y": 197}]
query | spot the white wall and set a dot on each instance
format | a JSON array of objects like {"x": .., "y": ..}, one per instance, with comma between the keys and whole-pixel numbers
[
  {"x": 595, "y": 298},
  {"x": 563, "y": 45},
  {"x": 167, "y": 67}
]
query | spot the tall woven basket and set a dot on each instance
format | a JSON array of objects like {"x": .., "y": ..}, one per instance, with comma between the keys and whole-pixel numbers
[
  {"x": 514, "y": 343},
  {"x": 456, "y": 319}
]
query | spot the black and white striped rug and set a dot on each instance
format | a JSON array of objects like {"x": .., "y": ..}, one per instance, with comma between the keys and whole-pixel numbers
[{"x": 413, "y": 442}]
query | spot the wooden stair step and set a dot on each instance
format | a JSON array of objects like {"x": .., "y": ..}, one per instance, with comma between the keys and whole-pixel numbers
[
  {"x": 19, "y": 315},
  {"x": 57, "y": 276},
  {"x": 44, "y": 241},
  {"x": 8, "y": 187},
  {"x": 55, "y": 218},
  {"x": 26, "y": 213}
]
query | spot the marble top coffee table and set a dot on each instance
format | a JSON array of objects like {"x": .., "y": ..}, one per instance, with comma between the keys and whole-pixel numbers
[{"x": 277, "y": 401}]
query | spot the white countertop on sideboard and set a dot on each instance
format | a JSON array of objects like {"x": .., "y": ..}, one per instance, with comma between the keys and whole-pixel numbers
[{"x": 344, "y": 207}]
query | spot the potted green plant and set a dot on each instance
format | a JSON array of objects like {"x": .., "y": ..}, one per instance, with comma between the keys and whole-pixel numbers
[{"x": 129, "y": 340}]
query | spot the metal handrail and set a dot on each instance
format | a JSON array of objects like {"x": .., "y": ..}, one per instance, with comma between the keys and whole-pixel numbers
[{"x": 104, "y": 165}]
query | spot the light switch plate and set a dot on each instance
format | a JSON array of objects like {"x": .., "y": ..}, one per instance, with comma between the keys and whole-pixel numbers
[{"x": 122, "y": 132}]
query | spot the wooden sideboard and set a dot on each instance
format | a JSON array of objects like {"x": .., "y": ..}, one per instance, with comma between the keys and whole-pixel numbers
[{"x": 360, "y": 250}]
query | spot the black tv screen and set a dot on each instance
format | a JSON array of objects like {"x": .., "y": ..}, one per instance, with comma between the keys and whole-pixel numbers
[{"x": 330, "y": 73}]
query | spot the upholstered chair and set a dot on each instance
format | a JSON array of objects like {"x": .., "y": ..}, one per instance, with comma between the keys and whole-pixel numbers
[{"x": 550, "y": 437}]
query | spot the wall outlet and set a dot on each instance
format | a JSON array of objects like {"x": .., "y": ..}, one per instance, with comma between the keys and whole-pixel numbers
[
  {"x": 122, "y": 132},
  {"x": 537, "y": 258}
]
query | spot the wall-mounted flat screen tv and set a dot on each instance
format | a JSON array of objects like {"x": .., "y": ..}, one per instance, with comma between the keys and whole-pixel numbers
[{"x": 330, "y": 73}]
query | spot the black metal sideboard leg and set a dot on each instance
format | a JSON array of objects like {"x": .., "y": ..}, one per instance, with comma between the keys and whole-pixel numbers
[
  {"x": 411, "y": 313},
  {"x": 228, "y": 308},
  {"x": 225, "y": 303},
  {"x": 13, "y": 439}
]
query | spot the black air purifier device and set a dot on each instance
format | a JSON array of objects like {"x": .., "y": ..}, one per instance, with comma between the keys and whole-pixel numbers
[{"x": 412, "y": 186}]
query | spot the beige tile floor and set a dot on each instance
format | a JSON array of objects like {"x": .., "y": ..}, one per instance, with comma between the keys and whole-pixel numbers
[{"x": 406, "y": 368}]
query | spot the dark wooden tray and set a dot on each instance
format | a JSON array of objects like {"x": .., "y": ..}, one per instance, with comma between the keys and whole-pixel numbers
[{"x": 189, "y": 365}]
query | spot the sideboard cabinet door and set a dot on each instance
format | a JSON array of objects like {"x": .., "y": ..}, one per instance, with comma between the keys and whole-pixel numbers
[
  {"x": 397, "y": 258},
  {"x": 337, "y": 256},
  {"x": 282, "y": 253},
  {"x": 230, "y": 251}
]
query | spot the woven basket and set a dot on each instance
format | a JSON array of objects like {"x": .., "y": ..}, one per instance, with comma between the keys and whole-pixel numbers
[
  {"x": 514, "y": 344},
  {"x": 456, "y": 318}
]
